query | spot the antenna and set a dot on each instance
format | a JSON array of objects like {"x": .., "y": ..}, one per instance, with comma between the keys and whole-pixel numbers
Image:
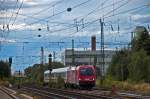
[
  {"x": 47, "y": 26},
  {"x": 76, "y": 24},
  {"x": 82, "y": 20}
]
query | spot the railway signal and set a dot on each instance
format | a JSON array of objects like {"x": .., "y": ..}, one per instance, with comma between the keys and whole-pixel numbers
[
  {"x": 50, "y": 62},
  {"x": 50, "y": 65},
  {"x": 19, "y": 84},
  {"x": 10, "y": 61}
]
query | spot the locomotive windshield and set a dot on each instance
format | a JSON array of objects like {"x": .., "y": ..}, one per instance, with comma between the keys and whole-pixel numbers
[{"x": 86, "y": 71}]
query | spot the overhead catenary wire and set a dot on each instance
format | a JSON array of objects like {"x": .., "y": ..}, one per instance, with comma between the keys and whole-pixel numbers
[
  {"x": 44, "y": 19},
  {"x": 114, "y": 14},
  {"x": 123, "y": 12},
  {"x": 16, "y": 5},
  {"x": 93, "y": 11},
  {"x": 78, "y": 17},
  {"x": 18, "y": 12},
  {"x": 3, "y": 12},
  {"x": 133, "y": 9},
  {"x": 42, "y": 10},
  {"x": 39, "y": 20},
  {"x": 97, "y": 9},
  {"x": 78, "y": 5},
  {"x": 47, "y": 8},
  {"x": 61, "y": 29},
  {"x": 130, "y": 10},
  {"x": 2, "y": 2},
  {"x": 91, "y": 22}
]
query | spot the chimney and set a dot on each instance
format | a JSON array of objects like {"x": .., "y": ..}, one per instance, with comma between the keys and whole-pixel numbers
[{"x": 93, "y": 43}]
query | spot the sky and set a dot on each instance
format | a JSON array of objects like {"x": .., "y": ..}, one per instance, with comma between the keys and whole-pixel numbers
[{"x": 28, "y": 25}]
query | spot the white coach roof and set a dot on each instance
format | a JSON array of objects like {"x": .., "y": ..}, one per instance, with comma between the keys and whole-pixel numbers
[{"x": 58, "y": 70}]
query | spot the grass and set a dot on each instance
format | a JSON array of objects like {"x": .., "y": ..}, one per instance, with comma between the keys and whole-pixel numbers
[
  {"x": 143, "y": 88},
  {"x": 4, "y": 83},
  {"x": 59, "y": 83}
]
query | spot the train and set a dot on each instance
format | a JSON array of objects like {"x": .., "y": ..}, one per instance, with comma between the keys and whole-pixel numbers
[{"x": 78, "y": 76}]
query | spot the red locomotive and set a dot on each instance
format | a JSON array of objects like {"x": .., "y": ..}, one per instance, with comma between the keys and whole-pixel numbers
[{"x": 81, "y": 76}]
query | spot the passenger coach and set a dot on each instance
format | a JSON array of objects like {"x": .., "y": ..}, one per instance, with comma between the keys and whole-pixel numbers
[{"x": 81, "y": 76}]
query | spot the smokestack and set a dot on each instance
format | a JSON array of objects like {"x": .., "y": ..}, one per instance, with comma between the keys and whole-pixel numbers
[{"x": 93, "y": 43}]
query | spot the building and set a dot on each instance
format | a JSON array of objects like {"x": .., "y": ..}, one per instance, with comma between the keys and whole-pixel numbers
[
  {"x": 138, "y": 31},
  {"x": 18, "y": 74},
  {"x": 86, "y": 57},
  {"x": 72, "y": 57}
]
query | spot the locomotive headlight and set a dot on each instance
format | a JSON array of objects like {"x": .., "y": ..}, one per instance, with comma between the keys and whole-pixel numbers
[
  {"x": 93, "y": 79},
  {"x": 79, "y": 78}
]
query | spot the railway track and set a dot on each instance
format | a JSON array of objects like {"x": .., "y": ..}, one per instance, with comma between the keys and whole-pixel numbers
[
  {"x": 81, "y": 94},
  {"x": 45, "y": 94},
  {"x": 62, "y": 94},
  {"x": 126, "y": 94},
  {"x": 8, "y": 92}
]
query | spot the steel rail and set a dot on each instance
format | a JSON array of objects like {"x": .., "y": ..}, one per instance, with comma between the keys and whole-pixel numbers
[{"x": 71, "y": 94}]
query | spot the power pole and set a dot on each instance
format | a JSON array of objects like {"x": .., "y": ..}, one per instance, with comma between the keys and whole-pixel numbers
[
  {"x": 41, "y": 66},
  {"x": 42, "y": 55},
  {"x": 132, "y": 36},
  {"x": 10, "y": 63},
  {"x": 0, "y": 45},
  {"x": 76, "y": 24},
  {"x": 54, "y": 55},
  {"x": 73, "y": 58},
  {"x": 102, "y": 68},
  {"x": 19, "y": 80}
]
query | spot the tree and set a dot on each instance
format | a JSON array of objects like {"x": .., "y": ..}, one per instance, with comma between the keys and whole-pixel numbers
[
  {"x": 148, "y": 70},
  {"x": 35, "y": 73},
  {"x": 141, "y": 41},
  {"x": 138, "y": 68},
  {"x": 118, "y": 68},
  {"x": 4, "y": 70},
  {"x": 133, "y": 64}
]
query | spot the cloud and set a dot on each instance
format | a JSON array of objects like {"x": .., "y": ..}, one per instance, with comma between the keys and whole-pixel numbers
[
  {"x": 14, "y": 4},
  {"x": 9, "y": 4},
  {"x": 31, "y": 3},
  {"x": 3, "y": 40},
  {"x": 141, "y": 18},
  {"x": 24, "y": 26}
]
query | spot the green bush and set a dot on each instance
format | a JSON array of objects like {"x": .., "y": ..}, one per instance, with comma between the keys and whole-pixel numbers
[
  {"x": 60, "y": 82},
  {"x": 106, "y": 82},
  {"x": 52, "y": 83},
  {"x": 4, "y": 83}
]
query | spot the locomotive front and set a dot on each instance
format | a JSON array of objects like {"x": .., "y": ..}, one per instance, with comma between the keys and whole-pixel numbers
[{"x": 86, "y": 76}]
